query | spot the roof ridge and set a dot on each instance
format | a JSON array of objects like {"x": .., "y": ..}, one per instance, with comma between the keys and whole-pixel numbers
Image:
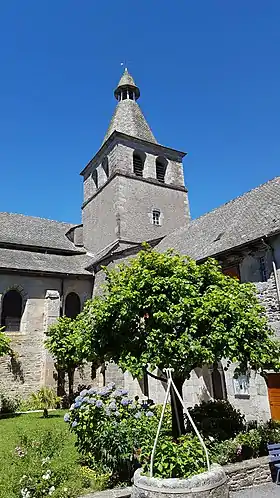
[
  {"x": 40, "y": 218},
  {"x": 234, "y": 199}
]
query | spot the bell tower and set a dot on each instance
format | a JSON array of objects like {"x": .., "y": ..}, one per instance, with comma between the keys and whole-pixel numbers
[{"x": 133, "y": 187}]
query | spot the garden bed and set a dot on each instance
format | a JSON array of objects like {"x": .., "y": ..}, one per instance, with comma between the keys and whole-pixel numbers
[{"x": 35, "y": 426}]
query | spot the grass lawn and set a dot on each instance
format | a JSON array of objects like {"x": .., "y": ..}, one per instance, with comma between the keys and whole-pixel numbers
[{"x": 11, "y": 431}]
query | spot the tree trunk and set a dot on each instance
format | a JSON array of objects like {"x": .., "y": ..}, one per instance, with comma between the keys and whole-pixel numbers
[
  {"x": 71, "y": 372},
  {"x": 61, "y": 382},
  {"x": 178, "y": 426}
]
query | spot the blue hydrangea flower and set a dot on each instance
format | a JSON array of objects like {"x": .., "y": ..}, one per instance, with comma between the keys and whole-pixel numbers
[
  {"x": 149, "y": 414},
  {"x": 92, "y": 390},
  {"x": 66, "y": 417},
  {"x": 107, "y": 411},
  {"x": 86, "y": 399},
  {"x": 117, "y": 393},
  {"x": 92, "y": 401},
  {"x": 79, "y": 398},
  {"x": 138, "y": 415},
  {"x": 83, "y": 393},
  {"x": 99, "y": 403},
  {"x": 104, "y": 392},
  {"x": 125, "y": 402},
  {"x": 112, "y": 405},
  {"x": 77, "y": 404},
  {"x": 124, "y": 392},
  {"x": 111, "y": 386},
  {"x": 75, "y": 423}
]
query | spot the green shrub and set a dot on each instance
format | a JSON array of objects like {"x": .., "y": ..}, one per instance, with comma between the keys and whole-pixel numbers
[
  {"x": 216, "y": 419},
  {"x": 95, "y": 479},
  {"x": 244, "y": 446},
  {"x": 182, "y": 458},
  {"x": 111, "y": 429},
  {"x": 44, "y": 399},
  {"x": 9, "y": 404}
]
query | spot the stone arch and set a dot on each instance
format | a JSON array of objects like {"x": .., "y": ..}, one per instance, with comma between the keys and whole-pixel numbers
[
  {"x": 72, "y": 305},
  {"x": 12, "y": 307},
  {"x": 161, "y": 165},
  {"x": 139, "y": 158}
]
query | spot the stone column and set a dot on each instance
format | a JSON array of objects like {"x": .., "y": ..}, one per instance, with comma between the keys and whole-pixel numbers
[{"x": 51, "y": 314}]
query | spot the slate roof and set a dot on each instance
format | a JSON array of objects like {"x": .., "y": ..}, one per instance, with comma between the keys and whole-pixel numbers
[
  {"x": 18, "y": 229},
  {"x": 126, "y": 79},
  {"x": 71, "y": 264},
  {"x": 244, "y": 219},
  {"x": 129, "y": 119}
]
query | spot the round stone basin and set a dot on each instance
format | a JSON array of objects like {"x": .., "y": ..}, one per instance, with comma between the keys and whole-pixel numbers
[{"x": 212, "y": 484}]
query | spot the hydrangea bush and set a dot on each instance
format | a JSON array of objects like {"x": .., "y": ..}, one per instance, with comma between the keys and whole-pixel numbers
[{"x": 111, "y": 429}]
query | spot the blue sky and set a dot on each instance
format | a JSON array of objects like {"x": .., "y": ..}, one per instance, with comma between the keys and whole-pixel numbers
[{"x": 209, "y": 76}]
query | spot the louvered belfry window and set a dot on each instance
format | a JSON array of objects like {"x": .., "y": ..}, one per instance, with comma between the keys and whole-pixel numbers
[
  {"x": 138, "y": 165},
  {"x": 160, "y": 170}
]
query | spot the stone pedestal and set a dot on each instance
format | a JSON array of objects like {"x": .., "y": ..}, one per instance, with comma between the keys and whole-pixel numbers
[{"x": 212, "y": 484}]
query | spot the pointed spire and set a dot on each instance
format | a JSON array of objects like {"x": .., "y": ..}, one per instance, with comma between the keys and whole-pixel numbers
[
  {"x": 128, "y": 117},
  {"x": 126, "y": 85}
]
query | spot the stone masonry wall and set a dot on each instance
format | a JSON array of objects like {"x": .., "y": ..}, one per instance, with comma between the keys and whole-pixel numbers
[
  {"x": 33, "y": 366},
  {"x": 248, "y": 473}
]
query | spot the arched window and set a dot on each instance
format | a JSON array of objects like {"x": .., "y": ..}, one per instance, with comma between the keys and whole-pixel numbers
[
  {"x": 161, "y": 164},
  {"x": 105, "y": 166},
  {"x": 72, "y": 305},
  {"x": 138, "y": 164},
  {"x": 11, "y": 311}
]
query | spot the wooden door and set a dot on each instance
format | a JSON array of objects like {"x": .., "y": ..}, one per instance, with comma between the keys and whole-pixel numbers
[{"x": 273, "y": 384}]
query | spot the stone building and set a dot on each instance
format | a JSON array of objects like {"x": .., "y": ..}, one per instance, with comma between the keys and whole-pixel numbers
[{"x": 133, "y": 191}]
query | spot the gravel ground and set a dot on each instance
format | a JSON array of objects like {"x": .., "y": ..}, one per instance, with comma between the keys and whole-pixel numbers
[{"x": 265, "y": 491}]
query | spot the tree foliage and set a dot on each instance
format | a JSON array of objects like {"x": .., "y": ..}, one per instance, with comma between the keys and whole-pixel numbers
[
  {"x": 165, "y": 310},
  {"x": 68, "y": 345},
  {"x": 5, "y": 347}
]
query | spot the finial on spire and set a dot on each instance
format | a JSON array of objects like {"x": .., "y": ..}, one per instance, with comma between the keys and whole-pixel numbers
[{"x": 127, "y": 88}]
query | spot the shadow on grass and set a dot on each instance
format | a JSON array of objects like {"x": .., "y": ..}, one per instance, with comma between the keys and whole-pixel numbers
[{"x": 10, "y": 415}]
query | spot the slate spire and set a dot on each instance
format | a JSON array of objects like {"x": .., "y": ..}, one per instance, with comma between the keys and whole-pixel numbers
[{"x": 128, "y": 117}]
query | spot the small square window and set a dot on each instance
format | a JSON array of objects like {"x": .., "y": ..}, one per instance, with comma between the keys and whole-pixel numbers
[{"x": 156, "y": 217}]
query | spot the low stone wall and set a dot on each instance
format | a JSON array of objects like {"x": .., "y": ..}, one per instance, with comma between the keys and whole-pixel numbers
[
  {"x": 110, "y": 493},
  {"x": 248, "y": 473}
]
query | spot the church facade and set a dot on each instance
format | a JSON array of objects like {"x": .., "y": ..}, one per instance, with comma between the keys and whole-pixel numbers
[{"x": 134, "y": 191}]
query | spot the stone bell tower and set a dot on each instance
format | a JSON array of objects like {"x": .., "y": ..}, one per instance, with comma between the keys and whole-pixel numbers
[{"x": 133, "y": 187}]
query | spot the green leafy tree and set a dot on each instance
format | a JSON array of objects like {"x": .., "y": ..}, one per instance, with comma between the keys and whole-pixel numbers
[
  {"x": 5, "y": 347},
  {"x": 165, "y": 310},
  {"x": 68, "y": 345}
]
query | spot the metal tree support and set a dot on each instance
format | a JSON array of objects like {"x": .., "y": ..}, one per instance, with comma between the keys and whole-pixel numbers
[{"x": 170, "y": 383}]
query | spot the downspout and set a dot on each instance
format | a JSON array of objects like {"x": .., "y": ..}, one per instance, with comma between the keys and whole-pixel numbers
[{"x": 274, "y": 269}]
